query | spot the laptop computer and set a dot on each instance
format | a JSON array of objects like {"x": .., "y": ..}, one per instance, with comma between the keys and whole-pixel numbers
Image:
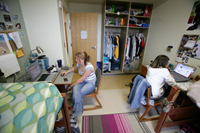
[
  {"x": 182, "y": 72},
  {"x": 36, "y": 73}
]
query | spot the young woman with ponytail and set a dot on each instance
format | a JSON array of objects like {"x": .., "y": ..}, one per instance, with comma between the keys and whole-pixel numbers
[{"x": 85, "y": 84}]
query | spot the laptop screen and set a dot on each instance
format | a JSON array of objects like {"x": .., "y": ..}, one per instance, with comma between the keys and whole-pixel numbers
[
  {"x": 184, "y": 70},
  {"x": 34, "y": 70}
]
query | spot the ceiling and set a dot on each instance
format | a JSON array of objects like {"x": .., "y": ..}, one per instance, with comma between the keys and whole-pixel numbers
[{"x": 101, "y": 1}]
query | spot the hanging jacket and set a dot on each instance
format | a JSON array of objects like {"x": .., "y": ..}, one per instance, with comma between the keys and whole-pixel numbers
[{"x": 137, "y": 91}]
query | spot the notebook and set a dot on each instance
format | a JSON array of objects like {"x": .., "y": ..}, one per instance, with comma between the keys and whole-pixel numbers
[
  {"x": 36, "y": 73},
  {"x": 182, "y": 72}
]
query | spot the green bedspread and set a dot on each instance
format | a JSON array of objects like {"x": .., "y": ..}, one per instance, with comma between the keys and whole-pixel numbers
[{"x": 28, "y": 107}]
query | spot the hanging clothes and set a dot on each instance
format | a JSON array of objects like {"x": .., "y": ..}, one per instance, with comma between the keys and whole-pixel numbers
[
  {"x": 117, "y": 48},
  {"x": 127, "y": 48}
]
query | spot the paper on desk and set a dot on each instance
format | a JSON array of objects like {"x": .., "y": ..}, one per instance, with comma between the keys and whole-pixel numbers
[
  {"x": 189, "y": 44},
  {"x": 16, "y": 39},
  {"x": 9, "y": 64}
]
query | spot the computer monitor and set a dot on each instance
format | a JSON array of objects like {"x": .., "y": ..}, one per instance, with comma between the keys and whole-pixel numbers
[
  {"x": 34, "y": 70},
  {"x": 184, "y": 70}
]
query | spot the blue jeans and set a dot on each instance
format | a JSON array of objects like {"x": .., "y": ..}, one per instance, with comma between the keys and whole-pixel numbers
[{"x": 79, "y": 91}]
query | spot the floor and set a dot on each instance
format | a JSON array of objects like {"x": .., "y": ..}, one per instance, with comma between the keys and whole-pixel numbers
[{"x": 113, "y": 97}]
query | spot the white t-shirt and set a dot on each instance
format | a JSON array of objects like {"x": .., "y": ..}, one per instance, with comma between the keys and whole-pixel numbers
[
  {"x": 92, "y": 77},
  {"x": 157, "y": 77}
]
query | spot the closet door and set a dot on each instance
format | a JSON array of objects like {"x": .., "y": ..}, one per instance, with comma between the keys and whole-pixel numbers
[{"x": 84, "y": 22}]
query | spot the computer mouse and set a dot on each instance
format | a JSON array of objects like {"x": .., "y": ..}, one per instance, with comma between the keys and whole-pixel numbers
[{"x": 62, "y": 75}]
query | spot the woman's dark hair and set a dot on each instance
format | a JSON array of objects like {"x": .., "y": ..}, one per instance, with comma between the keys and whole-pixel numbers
[
  {"x": 83, "y": 55},
  {"x": 160, "y": 61}
]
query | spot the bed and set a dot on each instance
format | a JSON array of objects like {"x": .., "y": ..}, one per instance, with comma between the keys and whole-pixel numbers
[{"x": 29, "y": 107}]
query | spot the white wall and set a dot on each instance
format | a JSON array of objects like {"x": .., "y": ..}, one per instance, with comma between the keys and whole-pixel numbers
[
  {"x": 93, "y": 8},
  {"x": 168, "y": 24},
  {"x": 44, "y": 27}
]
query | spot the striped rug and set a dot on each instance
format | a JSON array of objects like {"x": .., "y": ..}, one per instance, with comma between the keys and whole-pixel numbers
[{"x": 114, "y": 123}]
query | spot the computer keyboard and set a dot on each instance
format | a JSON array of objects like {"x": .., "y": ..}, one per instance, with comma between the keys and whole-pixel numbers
[
  {"x": 43, "y": 77},
  {"x": 51, "y": 77}
]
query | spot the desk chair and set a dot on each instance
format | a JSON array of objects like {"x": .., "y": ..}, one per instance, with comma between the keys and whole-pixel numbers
[
  {"x": 174, "y": 94},
  {"x": 95, "y": 92},
  {"x": 148, "y": 107}
]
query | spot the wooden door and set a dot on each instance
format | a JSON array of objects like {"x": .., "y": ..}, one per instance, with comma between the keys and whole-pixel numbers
[{"x": 84, "y": 22}]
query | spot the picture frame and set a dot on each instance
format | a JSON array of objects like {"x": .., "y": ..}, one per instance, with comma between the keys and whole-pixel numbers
[
  {"x": 170, "y": 67},
  {"x": 197, "y": 78}
]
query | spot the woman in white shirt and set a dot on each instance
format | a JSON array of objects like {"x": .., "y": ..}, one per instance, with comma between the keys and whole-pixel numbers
[
  {"x": 158, "y": 75},
  {"x": 84, "y": 85}
]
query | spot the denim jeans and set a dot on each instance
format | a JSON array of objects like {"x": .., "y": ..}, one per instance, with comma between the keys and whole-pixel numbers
[{"x": 79, "y": 91}]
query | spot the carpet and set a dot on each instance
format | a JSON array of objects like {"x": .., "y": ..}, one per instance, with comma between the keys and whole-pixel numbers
[{"x": 114, "y": 123}]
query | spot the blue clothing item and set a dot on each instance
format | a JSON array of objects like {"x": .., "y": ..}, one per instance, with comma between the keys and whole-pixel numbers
[
  {"x": 137, "y": 91},
  {"x": 79, "y": 91}
]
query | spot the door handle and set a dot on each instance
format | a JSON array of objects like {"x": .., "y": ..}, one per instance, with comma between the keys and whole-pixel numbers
[{"x": 94, "y": 47}]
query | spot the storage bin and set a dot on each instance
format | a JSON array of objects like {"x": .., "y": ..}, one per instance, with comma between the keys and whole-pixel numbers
[{"x": 145, "y": 25}]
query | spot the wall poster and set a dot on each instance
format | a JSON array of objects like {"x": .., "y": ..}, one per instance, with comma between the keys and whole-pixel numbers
[
  {"x": 194, "y": 19},
  {"x": 189, "y": 48}
]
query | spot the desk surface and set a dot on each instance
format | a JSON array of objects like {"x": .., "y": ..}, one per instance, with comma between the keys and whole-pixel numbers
[{"x": 59, "y": 80}]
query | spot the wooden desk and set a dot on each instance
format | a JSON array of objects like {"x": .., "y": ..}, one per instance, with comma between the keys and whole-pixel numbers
[
  {"x": 187, "y": 113},
  {"x": 60, "y": 83}
]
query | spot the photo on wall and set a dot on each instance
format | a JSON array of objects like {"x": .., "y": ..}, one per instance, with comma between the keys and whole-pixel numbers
[
  {"x": 2, "y": 26},
  {"x": 7, "y": 18},
  {"x": 4, "y": 7},
  {"x": 21, "y": 34},
  {"x": 194, "y": 19},
  {"x": 189, "y": 48},
  {"x": 9, "y": 26},
  {"x": 15, "y": 17},
  {"x": 18, "y": 26}
]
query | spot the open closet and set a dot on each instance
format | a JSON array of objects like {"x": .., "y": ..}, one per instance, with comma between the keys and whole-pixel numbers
[{"x": 125, "y": 31}]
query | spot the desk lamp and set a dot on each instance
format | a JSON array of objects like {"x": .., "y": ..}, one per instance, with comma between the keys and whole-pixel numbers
[{"x": 39, "y": 50}]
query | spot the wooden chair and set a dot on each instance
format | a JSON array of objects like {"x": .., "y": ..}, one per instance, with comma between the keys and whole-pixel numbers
[
  {"x": 148, "y": 107},
  {"x": 156, "y": 103},
  {"x": 95, "y": 92}
]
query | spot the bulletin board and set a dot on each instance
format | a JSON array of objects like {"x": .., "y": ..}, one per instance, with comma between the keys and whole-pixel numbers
[
  {"x": 15, "y": 43},
  {"x": 189, "y": 48}
]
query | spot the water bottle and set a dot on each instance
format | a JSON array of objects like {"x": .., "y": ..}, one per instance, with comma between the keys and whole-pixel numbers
[{"x": 113, "y": 9}]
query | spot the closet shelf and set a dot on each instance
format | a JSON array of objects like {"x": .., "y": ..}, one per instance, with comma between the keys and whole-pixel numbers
[
  {"x": 115, "y": 26},
  {"x": 140, "y": 16},
  {"x": 138, "y": 27},
  {"x": 115, "y": 14}
]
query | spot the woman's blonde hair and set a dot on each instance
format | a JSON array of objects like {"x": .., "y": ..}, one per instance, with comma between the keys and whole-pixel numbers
[{"x": 83, "y": 55}]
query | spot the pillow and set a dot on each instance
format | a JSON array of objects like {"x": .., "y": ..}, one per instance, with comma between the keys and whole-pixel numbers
[{"x": 193, "y": 93}]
